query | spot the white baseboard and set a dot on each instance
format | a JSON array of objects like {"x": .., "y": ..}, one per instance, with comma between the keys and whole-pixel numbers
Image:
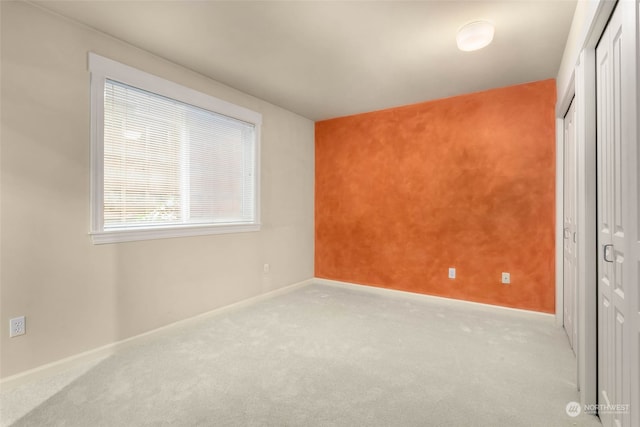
[
  {"x": 97, "y": 354},
  {"x": 426, "y": 297}
]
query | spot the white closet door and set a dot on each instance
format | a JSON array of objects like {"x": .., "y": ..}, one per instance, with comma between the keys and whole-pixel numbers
[
  {"x": 569, "y": 233},
  {"x": 617, "y": 217},
  {"x": 633, "y": 73}
]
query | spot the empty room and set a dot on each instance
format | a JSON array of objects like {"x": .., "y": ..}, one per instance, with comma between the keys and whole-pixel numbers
[{"x": 319, "y": 213}]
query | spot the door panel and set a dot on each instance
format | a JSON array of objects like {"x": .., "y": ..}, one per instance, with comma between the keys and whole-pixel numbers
[
  {"x": 605, "y": 270},
  {"x": 617, "y": 229},
  {"x": 570, "y": 272}
]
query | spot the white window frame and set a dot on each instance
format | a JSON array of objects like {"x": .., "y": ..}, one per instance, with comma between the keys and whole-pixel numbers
[{"x": 101, "y": 69}]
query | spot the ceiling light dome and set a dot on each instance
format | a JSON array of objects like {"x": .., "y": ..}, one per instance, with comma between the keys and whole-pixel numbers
[{"x": 475, "y": 35}]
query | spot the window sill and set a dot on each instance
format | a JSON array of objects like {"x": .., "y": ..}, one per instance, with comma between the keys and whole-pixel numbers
[{"x": 132, "y": 235}]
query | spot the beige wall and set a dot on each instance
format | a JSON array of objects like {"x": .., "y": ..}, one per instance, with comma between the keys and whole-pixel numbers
[{"x": 78, "y": 296}]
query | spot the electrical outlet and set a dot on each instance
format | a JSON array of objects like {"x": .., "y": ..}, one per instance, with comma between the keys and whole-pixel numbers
[
  {"x": 266, "y": 268},
  {"x": 452, "y": 273},
  {"x": 506, "y": 278},
  {"x": 17, "y": 326}
]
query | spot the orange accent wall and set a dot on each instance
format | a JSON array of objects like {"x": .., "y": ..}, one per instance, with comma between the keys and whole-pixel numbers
[{"x": 466, "y": 182}]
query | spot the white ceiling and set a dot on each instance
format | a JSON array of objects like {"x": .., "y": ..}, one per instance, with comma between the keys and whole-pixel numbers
[{"x": 324, "y": 59}]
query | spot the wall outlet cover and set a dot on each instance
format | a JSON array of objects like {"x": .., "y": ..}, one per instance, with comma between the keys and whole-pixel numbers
[{"x": 17, "y": 326}]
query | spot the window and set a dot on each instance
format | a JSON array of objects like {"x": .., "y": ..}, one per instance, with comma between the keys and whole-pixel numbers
[{"x": 168, "y": 161}]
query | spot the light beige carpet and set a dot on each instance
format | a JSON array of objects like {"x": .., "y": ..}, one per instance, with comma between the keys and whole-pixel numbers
[{"x": 329, "y": 356}]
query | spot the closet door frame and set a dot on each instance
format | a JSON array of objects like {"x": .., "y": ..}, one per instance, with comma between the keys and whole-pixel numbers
[{"x": 582, "y": 86}]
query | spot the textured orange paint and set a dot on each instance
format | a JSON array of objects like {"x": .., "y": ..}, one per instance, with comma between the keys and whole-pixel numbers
[{"x": 467, "y": 182}]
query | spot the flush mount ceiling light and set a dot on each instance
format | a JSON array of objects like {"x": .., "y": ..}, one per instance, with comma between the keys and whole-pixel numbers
[{"x": 475, "y": 35}]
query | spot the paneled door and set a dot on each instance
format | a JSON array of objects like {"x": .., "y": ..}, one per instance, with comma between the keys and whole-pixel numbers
[
  {"x": 634, "y": 270},
  {"x": 617, "y": 219},
  {"x": 569, "y": 232}
]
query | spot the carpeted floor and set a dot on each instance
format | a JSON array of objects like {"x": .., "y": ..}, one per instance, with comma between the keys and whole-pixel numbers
[{"x": 326, "y": 356}]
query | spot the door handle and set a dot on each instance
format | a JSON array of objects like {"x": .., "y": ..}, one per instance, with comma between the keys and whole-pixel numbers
[{"x": 606, "y": 252}]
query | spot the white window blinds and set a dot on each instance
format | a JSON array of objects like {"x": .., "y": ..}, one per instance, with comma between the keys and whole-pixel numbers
[{"x": 168, "y": 161}]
